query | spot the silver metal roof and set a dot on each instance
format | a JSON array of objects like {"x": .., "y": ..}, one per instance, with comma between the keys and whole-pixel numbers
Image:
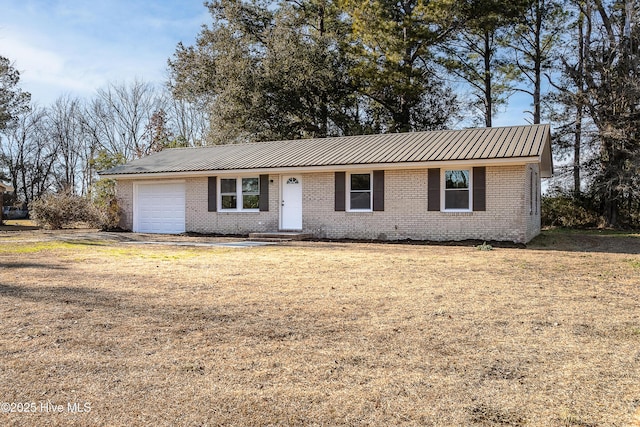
[{"x": 484, "y": 144}]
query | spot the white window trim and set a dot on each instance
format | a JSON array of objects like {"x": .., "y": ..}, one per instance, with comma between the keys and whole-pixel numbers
[
  {"x": 238, "y": 193},
  {"x": 348, "y": 191},
  {"x": 443, "y": 186}
]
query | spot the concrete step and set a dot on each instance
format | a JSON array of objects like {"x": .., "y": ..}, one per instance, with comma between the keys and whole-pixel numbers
[{"x": 279, "y": 236}]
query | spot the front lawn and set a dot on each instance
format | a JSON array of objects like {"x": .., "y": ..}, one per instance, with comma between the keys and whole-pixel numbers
[{"x": 319, "y": 333}]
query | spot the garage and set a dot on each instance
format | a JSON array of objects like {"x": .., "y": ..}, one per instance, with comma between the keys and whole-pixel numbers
[{"x": 159, "y": 208}]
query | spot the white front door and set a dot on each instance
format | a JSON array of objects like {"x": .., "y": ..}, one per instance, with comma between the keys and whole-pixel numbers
[{"x": 291, "y": 203}]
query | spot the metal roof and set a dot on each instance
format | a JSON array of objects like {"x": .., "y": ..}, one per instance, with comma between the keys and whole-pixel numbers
[{"x": 406, "y": 149}]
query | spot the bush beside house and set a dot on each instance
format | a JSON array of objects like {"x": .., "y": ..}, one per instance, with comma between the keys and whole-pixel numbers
[{"x": 59, "y": 210}]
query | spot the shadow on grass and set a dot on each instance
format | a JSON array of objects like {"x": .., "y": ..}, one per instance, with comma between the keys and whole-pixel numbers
[
  {"x": 116, "y": 303},
  {"x": 86, "y": 242},
  {"x": 18, "y": 227},
  {"x": 80, "y": 296},
  {"x": 13, "y": 265},
  {"x": 606, "y": 241}
]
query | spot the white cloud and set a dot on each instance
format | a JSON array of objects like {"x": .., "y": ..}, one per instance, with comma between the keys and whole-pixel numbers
[
  {"x": 75, "y": 47},
  {"x": 31, "y": 59},
  {"x": 44, "y": 71}
]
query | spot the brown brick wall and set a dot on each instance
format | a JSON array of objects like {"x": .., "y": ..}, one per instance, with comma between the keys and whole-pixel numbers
[
  {"x": 199, "y": 220},
  {"x": 406, "y": 215},
  {"x": 507, "y": 216}
]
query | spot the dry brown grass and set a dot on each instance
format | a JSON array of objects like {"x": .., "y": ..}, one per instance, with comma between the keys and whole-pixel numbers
[{"x": 321, "y": 333}]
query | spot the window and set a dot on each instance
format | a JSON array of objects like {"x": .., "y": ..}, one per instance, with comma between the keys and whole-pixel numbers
[
  {"x": 228, "y": 193},
  {"x": 461, "y": 190},
  {"x": 457, "y": 186},
  {"x": 537, "y": 194},
  {"x": 250, "y": 193},
  {"x": 247, "y": 190},
  {"x": 533, "y": 197},
  {"x": 360, "y": 192}
]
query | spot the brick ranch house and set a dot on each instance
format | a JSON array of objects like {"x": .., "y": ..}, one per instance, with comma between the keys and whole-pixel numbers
[{"x": 442, "y": 185}]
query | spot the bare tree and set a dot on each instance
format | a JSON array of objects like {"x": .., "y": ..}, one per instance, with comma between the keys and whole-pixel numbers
[
  {"x": 603, "y": 71},
  {"x": 188, "y": 120},
  {"x": 30, "y": 154},
  {"x": 611, "y": 78},
  {"x": 118, "y": 117},
  {"x": 67, "y": 131}
]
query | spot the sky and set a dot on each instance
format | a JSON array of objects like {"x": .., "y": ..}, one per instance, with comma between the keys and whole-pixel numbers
[{"x": 75, "y": 47}]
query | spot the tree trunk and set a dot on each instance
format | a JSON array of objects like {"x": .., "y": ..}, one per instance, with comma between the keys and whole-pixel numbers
[
  {"x": 488, "y": 101},
  {"x": 576, "y": 151},
  {"x": 537, "y": 66},
  {"x": 402, "y": 118},
  {"x": 611, "y": 212},
  {"x": 577, "y": 144},
  {"x": 324, "y": 99},
  {"x": 612, "y": 166}
]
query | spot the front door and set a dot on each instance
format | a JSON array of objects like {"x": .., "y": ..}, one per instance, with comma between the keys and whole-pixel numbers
[{"x": 291, "y": 203}]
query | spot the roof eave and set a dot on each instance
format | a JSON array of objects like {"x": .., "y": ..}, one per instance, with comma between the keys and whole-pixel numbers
[{"x": 546, "y": 158}]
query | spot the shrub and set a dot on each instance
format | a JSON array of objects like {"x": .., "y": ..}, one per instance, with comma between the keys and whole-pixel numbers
[
  {"x": 59, "y": 210},
  {"x": 106, "y": 204},
  {"x": 564, "y": 210},
  {"x": 484, "y": 247},
  {"x": 107, "y": 214}
]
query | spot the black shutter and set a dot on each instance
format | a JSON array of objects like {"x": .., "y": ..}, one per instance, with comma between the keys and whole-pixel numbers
[
  {"x": 433, "y": 185},
  {"x": 340, "y": 191},
  {"x": 263, "y": 202},
  {"x": 378, "y": 190},
  {"x": 479, "y": 188},
  {"x": 212, "y": 194}
]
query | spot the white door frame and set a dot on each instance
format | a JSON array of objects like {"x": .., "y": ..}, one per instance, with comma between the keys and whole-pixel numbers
[{"x": 290, "y": 223}]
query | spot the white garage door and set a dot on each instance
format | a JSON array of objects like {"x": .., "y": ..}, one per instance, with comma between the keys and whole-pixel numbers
[{"x": 159, "y": 208}]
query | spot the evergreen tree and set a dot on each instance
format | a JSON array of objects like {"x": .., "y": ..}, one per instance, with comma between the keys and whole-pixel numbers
[
  {"x": 477, "y": 57},
  {"x": 537, "y": 33},
  {"x": 392, "y": 45},
  {"x": 13, "y": 101},
  {"x": 269, "y": 72}
]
